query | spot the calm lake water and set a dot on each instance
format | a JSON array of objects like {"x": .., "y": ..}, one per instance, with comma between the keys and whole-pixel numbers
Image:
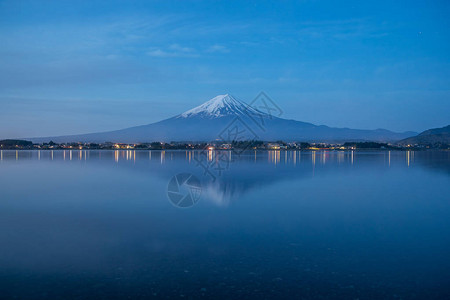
[{"x": 262, "y": 225}]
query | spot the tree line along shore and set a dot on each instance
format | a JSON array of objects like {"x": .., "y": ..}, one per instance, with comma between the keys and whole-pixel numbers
[{"x": 14, "y": 144}]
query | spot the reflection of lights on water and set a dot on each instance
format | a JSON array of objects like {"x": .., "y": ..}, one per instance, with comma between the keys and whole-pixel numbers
[
  {"x": 408, "y": 157},
  {"x": 130, "y": 155},
  {"x": 274, "y": 156},
  {"x": 340, "y": 156},
  {"x": 389, "y": 158},
  {"x": 313, "y": 160},
  {"x": 291, "y": 157},
  {"x": 210, "y": 155},
  {"x": 163, "y": 156}
]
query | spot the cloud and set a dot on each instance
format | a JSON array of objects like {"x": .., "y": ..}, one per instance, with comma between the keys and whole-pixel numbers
[
  {"x": 180, "y": 49},
  {"x": 159, "y": 53},
  {"x": 177, "y": 50},
  {"x": 217, "y": 48},
  {"x": 346, "y": 29},
  {"x": 173, "y": 50}
]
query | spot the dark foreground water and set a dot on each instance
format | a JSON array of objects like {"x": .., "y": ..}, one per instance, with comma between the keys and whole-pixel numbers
[{"x": 281, "y": 225}]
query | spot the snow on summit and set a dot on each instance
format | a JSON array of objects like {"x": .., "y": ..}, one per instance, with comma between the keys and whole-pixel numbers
[
  {"x": 207, "y": 121},
  {"x": 220, "y": 106}
]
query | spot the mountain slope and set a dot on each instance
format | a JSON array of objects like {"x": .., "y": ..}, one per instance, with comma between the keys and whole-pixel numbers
[
  {"x": 430, "y": 137},
  {"x": 224, "y": 115}
]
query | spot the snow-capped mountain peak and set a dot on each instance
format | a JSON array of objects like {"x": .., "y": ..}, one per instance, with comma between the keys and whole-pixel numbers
[
  {"x": 220, "y": 106},
  {"x": 208, "y": 121}
]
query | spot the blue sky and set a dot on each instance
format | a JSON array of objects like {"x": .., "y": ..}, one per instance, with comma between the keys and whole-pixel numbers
[{"x": 71, "y": 67}]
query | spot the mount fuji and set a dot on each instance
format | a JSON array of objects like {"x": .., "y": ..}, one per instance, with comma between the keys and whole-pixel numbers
[{"x": 223, "y": 115}]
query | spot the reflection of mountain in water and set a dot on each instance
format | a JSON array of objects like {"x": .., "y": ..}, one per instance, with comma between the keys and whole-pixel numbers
[
  {"x": 433, "y": 160},
  {"x": 241, "y": 173}
]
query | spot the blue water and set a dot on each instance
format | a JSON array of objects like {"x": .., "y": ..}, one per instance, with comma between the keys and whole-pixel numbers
[{"x": 270, "y": 225}]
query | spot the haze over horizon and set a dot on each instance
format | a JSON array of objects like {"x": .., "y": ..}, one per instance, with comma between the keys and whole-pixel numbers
[{"x": 71, "y": 68}]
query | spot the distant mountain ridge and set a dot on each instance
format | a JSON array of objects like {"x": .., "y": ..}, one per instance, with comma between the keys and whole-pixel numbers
[
  {"x": 225, "y": 114},
  {"x": 430, "y": 137}
]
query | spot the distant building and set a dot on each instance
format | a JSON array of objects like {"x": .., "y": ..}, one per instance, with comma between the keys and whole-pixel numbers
[{"x": 273, "y": 146}]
